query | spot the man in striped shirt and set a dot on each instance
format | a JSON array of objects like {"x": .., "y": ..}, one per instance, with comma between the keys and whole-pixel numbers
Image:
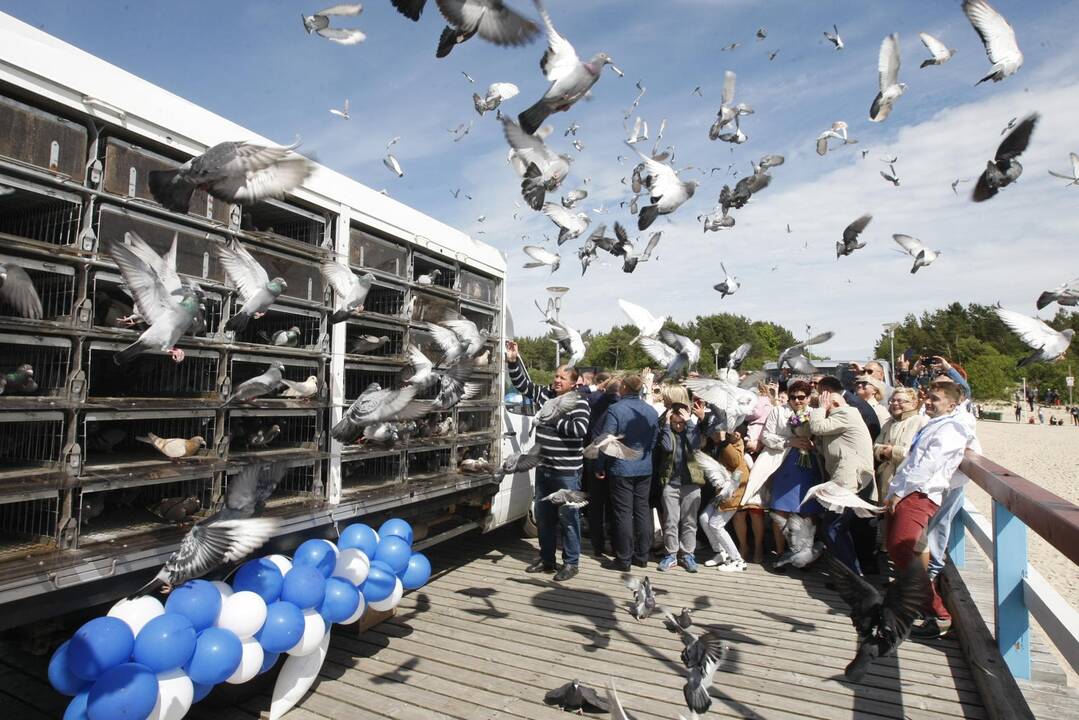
[{"x": 560, "y": 465}]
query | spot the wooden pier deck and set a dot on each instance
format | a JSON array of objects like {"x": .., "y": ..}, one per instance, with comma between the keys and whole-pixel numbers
[{"x": 485, "y": 640}]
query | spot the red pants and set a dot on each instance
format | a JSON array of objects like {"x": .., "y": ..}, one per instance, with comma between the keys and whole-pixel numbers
[{"x": 906, "y": 540}]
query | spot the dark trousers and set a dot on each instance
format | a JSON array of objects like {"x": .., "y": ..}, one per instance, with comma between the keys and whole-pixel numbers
[
  {"x": 907, "y": 540},
  {"x": 839, "y": 540},
  {"x": 863, "y": 532},
  {"x": 632, "y": 536},
  {"x": 598, "y": 507},
  {"x": 550, "y": 518}
]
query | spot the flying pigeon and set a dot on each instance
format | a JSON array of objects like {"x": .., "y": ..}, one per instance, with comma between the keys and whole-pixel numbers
[
  {"x": 1066, "y": 294},
  {"x": 644, "y": 598},
  {"x": 319, "y": 23},
  {"x": 18, "y": 291},
  {"x": 667, "y": 191},
  {"x": 838, "y": 131},
  {"x": 541, "y": 257},
  {"x": 1049, "y": 345},
  {"x": 722, "y": 480},
  {"x": 575, "y": 695},
  {"x": 941, "y": 52},
  {"x": 269, "y": 381},
  {"x": 883, "y": 620},
  {"x": 543, "y": 169},
  {"x": 791, "y": 354},
  {"x": 570, "y": 225},
  {"x": 734, "y": 402},
  {"x": 612, "y": 446},
  {"x": 1074, "y": 177},
  {"x": 762, "y": 33},
  {"x": 568, "y": 339},
  {"x": 801, "y": 548},
  {"x": 891, "y": 176},
  {"x": 461, "y": 130},
  {"x": 496, "y": 94},
  {"x": 367, "y": 344},
  {"x": 374, "y": 405},
  {"x": 728, "y": 111},
  {"x": 570, "y": 78},
  {"x": 677, "y": 353},
  {"x": 730, "y": 46},
  {"x": 490, "y": 19},
  {"x": 922, "y": 255},
  {"x": 520, "y": 462},
  {"x": 834, "y": 38},
  {"x": 236, "y": 172},
  {"x": 850, "y": 243},
  {"x": 890, "y": 87},
  {"x": 648, "y": 325},
  {"x": 569, "y": 498},
  {"x": 458, "y": 339},
  {"x": 393, "y": 165},
  {"x": 730, "y": 283},
  {"x": 768, "y": 162},
  {"x": 640, "y": 132},
  {"x": 717, "y": 221},
  {"x": 342, "y": 113},
  {"x": 351, "y": 289},
  {"x": 736, "y": 358},
  {"x": 701, "y": 672},
  {"x": 570, "y": 199},
  {"x": 837, "y": 498},
  {"x": 1004, "y": 168},
  {"x": 253, "y": 285},
  {"x": 556, "y": 407},
  {"x": 997, "y": 36}
]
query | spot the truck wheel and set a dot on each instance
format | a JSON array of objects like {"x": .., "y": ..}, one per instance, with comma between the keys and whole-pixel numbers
[{"x": 528, "y": 524}]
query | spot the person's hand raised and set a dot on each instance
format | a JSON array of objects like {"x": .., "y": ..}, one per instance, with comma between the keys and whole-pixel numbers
[{"x": 512, "y": 352}]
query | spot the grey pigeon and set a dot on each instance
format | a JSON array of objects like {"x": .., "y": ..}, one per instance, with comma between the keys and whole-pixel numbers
[
  {"x": 667, "y": 191},
  {"x": 891, "y": 176},
  {"x": 19, "y": 381},
  {"x": 351, "y": 289},
  {"x": 834, "y": 38},
  {"x": 490, "y": 19},
  {"x": 496, "y": 93},
  {"x": 366, "y": 344},
  {"x": 520, "y": 462},
  {"x": 1074, "y": 177},
  {"x": 569, "y": 498},
  {"x": 255, "y": 289},
  {"x": 1066, "y": 294},
  {"x": 422, "y": 367},
  {"x": 703, "y": 662},
  {"x": 164, "y": 267},
  {"x": 728, "y": 111},
  {"x": 371, "y": 407},
  {"x": 570, "y": 78},
  {"x": 385, "y": 433},
  {"x": 18, "y": 291},
  {"x": 890, "y": 87},
  {"x": 268, "y": 382},
  {"x": 730, "y": 283},
  {"x": 570, "y": 225},
  {"x": 541, "y": 257},
  {"x": 1049, "y": 345},
  {"x": 453, "y": 387},
  {"x": 801, "y": 547},
  {"x": 263, "y": 436},
  {"x": 922, "y": 255},
  {"x": 736, "y": 358},
  {"x": 458, "y": 339},
  {"x": 997, "y": 36},
  {"x": 850, "y": 243},
  {"x": 544, "y": 170},
  {"x": 795, "y": 352},
  {"x": 570, "y": 199},
  {"x": 575, "y": 695},
  {"x": 569, "y": 340},
  {"x": 677, "y": 353},
  {"x": 1004, "y": 168},
  {"x": 716, "y": 221},
  {"x": 644, "y": 598},
  {"x": 941, "y": 52},
  {"x": 555, "y": 408},
  {"x": 169, "y": 315},
  {"x": 236, "y": 172},
  {"x": 284, "y": 338},
  {"x": 319, "y": 23},
  {"x": 838, "y": 131}
]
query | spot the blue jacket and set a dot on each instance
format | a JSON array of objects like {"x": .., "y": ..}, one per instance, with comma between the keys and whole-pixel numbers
[{"x": 634, "y": 419}]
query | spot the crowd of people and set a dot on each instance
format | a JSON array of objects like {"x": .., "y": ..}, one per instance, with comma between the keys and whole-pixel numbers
[
  {"x": 872, "y": 470},
  {"x": 1037, "y": 401}
]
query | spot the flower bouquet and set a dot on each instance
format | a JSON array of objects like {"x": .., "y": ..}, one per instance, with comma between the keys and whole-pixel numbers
[{"x": 799, "y": 425}]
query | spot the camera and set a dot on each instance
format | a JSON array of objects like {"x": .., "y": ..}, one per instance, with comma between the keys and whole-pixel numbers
[{"x": 928, "y": 360}]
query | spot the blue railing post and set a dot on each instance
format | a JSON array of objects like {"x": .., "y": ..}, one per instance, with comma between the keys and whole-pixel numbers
[
  {"x": 957, "y": 545},
  {"x": 1010, "y": 611}
]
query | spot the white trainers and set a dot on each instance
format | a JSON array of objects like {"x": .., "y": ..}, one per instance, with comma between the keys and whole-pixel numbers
[
  {"x": 720, "y": 558},
  {"x": 733, "y": 566}
]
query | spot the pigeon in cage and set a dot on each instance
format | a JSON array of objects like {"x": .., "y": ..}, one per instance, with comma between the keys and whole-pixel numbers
[
  {"x": 385, "y": 433},
  {"x": 263, "y": 436},
  {"x": 351, "y": 289},
  {"x": 164, "y": 267},
  {"x": 301, "y": 390},
  {"x": 253, "y": 285},
  {"x": 283, "y": 338},
  {"x": 106, "y": 439},
  {"x": 174, "y": 448},
  {"x": 270, "y": 381},
  {"x": 374, "y": 405},
  {"x": 229, "y": 534},
  {"x": 176, "y": 509},
  {"x": 91, "y": 506},
  {"x": 18, "y": 291},
  {"x": 367, "y": 344},
  {"x": 236, "y": 172},
  {"x": 169, "y": 312},
  {"x": 428, "y": 278},
  {"x": 19, "y": 381}
]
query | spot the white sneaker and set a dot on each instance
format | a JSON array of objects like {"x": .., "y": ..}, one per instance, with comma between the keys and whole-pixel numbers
[
  {"x": 720, "y": 558},
  {"x": 733, "y": 566}
]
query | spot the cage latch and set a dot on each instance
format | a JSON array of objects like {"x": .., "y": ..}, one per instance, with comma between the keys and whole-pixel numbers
[
  {"x": 54, "y": 577},
  {"x": 225, "y": 388},
  {"x": 74, "y": 457},
  {"x": 84, "y": 312},
  {"x": 95, "y": 173},
  {"x": 88, "y": 239},
  {"x": 77, "y": 386}
]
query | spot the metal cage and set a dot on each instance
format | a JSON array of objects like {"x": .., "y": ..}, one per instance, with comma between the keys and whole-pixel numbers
[
  {"x": 107, "y": 515},
  {"x": 393, "y": 348},
  {"x": 31, "y": 441},
  {"x": 370, "y": 252},
  {"x": 258, "y": 433},
  {"x": 49, "y": 358},
  {"x": 108, "y": 439},
  {"x": 277, "y": 220},
  {"x": 387, "y": 300},
  {"x": 150, "y": 375},
  {"x": 38, "y": 213},
  {"x": 303, "y": 277},
  {"x": 283, "y": 317},
  {"x": 243, "y": 367},
  {"x": 301, "y": 483},
  {"x": 430, "y": 308},
  {"x": 483, "y": 319},
  {"x": 424, "y": 264},
  {"x": 423, "y": 464},
  {"x": 194, "y": 248},
  {"x": 56, "y": 285},
  {"x": 435, "y": 428},
  {"x": 42, "y": 140},
  {"x": 479, "y": 288},
  {"x": 365, "y": 473},
  {"x": 111, "y": 302},
  {"x": 359, "y": 376},
  {"x": 471, "y": 421},
  {"x": 476, "y": 450},
  {"x": 29, "y": 526}
]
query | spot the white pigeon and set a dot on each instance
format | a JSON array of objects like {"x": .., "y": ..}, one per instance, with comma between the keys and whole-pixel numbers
[
  {"x": 319, "y": 23},
  {"x": 728, "y": 111},
  {"x": 1074, "y": 177},
  {"x": 1049, "y": 345},
  {"x": 675, "y": 352},
  {"x": 543, "y": 170},
  {"x": 496, "y": 94},
  {"x": 834, "y": 38},
  {"x": 422, "y": 367},
  {"x": 997, "y": 36},
  {"x": 612, "y": 446},
  {"x": 571, "y": 341},
  {"x": 835, "y": 497},
  {"x": 351, "y": 289},
  {"x": 570, "y": 225},
  {"x": 394, "y": 166},
  {"x": 941, "y": 52},
  {"x": 342, "y": 112},
  {"x": 720, "y": 478},
  {"x": 730, "y": 283},
  {"x": 667, "y": 191},
  {"x": 640, "y": 131},
  {"x": 922, "y": 255},
  {"x": 648, "y": 325},
  {"x": 541, "y": 257},
  {"x": 736, "y": 403},
  {"x": 838, "y": 131},
  {"x": 890, "y": 87}
]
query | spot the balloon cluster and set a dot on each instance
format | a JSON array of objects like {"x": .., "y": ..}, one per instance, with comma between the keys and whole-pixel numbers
[{"x": 145, "y": 660}]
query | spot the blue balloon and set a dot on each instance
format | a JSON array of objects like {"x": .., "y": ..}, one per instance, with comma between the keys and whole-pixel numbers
[
  {"x": 268, "y": 661},
  {"x": 304, "y": 587},
  {"x": 318, "y": 554},
  {"x": 359, "y": 536},
  {"x": 165, "y": 643},
  {"x": 201, "y": 691},
  {"x": 260, "y": 576},
  {"x": 393, "y": 551},
  {"x": 198, "y": 601},
  {"x": 217, "y": 655},
  {"x": 76, "y": 709},
  {"x": 100, "y": 644},
  {"x": 126, "y": 692},
  {"x": 379, "y": 583},
  {"x": 417, "y": 573},
  {"x": 283, "y": 627},
  {"x": 60, "y": 676},
  {"x": 398, "y": 527},
  {"x": 342, "y": 599}
]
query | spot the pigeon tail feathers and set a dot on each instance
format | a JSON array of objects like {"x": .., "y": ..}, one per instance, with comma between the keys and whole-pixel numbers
[
  {"x": 171, "y": 190},
  {"x": 532, "y": 118},
  {"x": 128, "y": 354},
  {"x": 238, "y": 322},
  {"x": 647, "y": 216},
  {"x": 446, "y": 41}
]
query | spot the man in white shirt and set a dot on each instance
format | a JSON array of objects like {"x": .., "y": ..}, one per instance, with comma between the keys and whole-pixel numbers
[{"x": 917, "y": 489}]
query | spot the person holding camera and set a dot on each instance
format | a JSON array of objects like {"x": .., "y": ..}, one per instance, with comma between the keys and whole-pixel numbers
[
  {"x": 930, "y": 367},
  {"x": 681, "y": 479}
]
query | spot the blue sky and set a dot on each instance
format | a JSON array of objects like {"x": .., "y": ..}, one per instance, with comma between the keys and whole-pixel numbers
[{"x": 252, "y": 63}]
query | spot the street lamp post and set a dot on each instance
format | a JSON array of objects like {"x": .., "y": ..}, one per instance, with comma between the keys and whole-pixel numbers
[
  {"x": 715, "y": 353},
  {"x": 557, "y": 293},
  {"x": 890, "y": 327}
]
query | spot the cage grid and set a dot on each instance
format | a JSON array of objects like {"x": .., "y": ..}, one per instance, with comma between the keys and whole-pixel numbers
[
  {"x": 303, "y": 277},
  {"x": 107, "y": 515},
  {"x": 430, "y": 308},
  {"x": 41, "y": 139},
  {"x": 423, "y": 265},
  {"x": 473, "y": 421},
  {"x": 31, "y": 440},
  {"x": 282, "y": 318},
  {"x": 475, "y": 451},
  {"x": 479, "y": 288},
  {"x": 367, "y": 472},
  {"x": 300, "y": 483},
  {"x": 358, "y": 377},
  {"x": 29, "y": 526},
  {"x": 258, "y": 432},
  {"x": 55, "y": 285},
  {"x": 375, "y": 253},
  {"x": 111, "y": 302},
  {"x": 356, "y": 345},
  {"x": 243, "y": 367},
  {"x": 281, "y": 220},
  {"x": 110, "y": 438},
  {"x": 48, "y": 357},
  {"x": 38, "y": 213},
  {"x": 482, "y": 384},
  {"x": 385, "y": 300},
  {"x": 433, "y": 428},
  {"x": 150, "y": 375},
  {"x": 425, "y": 463},
  {"x": 483, "y": 319},
  {"x": 194, "y": 248}
]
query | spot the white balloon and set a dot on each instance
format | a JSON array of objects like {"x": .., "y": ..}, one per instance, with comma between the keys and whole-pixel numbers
[
  {"x": 250, "y": 662},
  {"x": 389, "y": 603},
  {"x": 356, "y": 615},
  {"x": 175, "y": 693},
  {"x": 314, "y": 628},
  {"x": 352, "y": 565},
  {"x": 297, "y": 675},
  {"x": 283, "y": 563},
  {"x": 136, "y": 613},
  {"x": 222, "y": 587},
  {"x": 243, "y": 613}
]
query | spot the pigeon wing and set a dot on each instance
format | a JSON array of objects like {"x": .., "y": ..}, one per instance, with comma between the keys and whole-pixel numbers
[
  {"x": 716, "y": 475},
  {"x": 912, "y": 246},
  {"x": 657, "y": 350},
  {"x": 210, "y": 544},
  {"x": 729, "y": 79},
  {"x": 936, "y": 47},
  {"x": 350, "y": 9},
  {"x": 904, "y": 601},
  {"x": 339, "y": 277},
  {"x": 491, "y": 19},
  {"x": 151, "y": 297},
  {"x": 888, "y": 62},
  {"x": 1031, "y": 331},
  {"x": 342, "y": 36},
  {"x": 540, "y": 255},
  {"x": 852, "y": 231},
  {"x": 738, "y": 356},
  {"x": 1017, "y": 139},
  {"x": 997, "y": 35},
  {"x": 652, "y": 242},
  {"x": 679, "y": 342},
  {"x": 412, "y": 9},
  {"x": 242, "y": 268},
  {"x": 637, "y": 314},
  {"x": 560, "y": 59},
  {"x": 20, "y": 293}
]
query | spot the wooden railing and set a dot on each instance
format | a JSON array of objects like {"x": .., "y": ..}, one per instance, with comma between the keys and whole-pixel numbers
[{"x": 1019, "y": 591}]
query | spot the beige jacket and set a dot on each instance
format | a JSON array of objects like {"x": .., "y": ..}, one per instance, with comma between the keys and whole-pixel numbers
[
  {"x": 899, "y": 434},
  {"x": 846, "y": 447}
]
